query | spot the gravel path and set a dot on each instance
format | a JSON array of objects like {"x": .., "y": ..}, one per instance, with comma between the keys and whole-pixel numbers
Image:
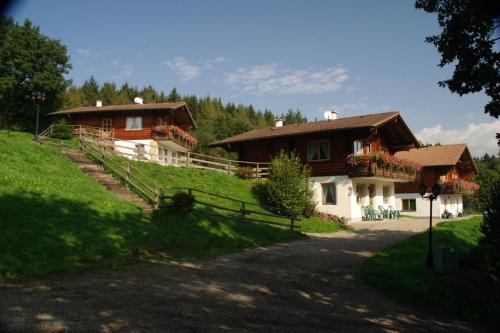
[{"x": 300, "y": 286}]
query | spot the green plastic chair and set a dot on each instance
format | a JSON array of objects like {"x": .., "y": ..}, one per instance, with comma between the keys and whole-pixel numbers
[
  {"x": 396, "y": 213},
  {"x": 385, "y": 212},
  {"x": 374, "y": 215}
]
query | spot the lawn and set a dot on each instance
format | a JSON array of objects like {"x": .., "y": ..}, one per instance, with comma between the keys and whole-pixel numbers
[
  {"x": 228, "y": 186},
  {"x": 399, "y": 272},
  {"x": 55, "y": 220}
]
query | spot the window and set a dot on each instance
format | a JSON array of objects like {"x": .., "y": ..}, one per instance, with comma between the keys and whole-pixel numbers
[
  {"x": 361, "y": 148},
  {"x": 360, "y": 193},
  {"x": 358, "y": 146},
  {"x": 329, "y": 194},
  {"x": 387, "y": 193},
  {"x": 318, "y": 151},
  {"x": 409, "y": 205},
  {"x": 134, "y": 123}
]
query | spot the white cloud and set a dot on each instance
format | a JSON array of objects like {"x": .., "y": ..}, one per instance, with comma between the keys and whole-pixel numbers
[
  {"x": 183, "y": 69},
  {"x": 272, "y": 79},
  {"x": 480, "y": 138},
  {"x": 209, "y": 64},
  {"x": 126, "y": 70}
]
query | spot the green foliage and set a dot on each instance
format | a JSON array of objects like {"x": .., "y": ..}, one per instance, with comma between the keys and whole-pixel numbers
[
  {"x": 294, "y": 117},
  {"x": 488, "y": 171},
  {"x": 468, "y": 41},
  {"x": 288, "y": 187},
  {"x": 399, "y": 272},
  {"x": 245, "y": 172},
  {"x": 489, "y": 198},
  {"x": 182, "y": 201},
  {"x": 29, "y": 62},
  {"x": 62, "y": 130}
]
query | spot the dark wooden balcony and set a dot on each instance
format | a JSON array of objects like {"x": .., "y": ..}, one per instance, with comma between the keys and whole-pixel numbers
[
  {"x": 458, "y": 187},
  {"x": 174, "y": 134},
  {"x": 373, "y": 169}
]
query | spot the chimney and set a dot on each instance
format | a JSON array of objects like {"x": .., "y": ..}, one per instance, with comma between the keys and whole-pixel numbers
[
  {"x": 98, "y": 103},
  {"x": 138, "y": 100},
  {"x": 279, "y": 122}
]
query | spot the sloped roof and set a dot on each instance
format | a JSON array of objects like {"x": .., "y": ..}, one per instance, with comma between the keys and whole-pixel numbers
[
  {"x": 370, "y": 120},
  {"x": 127, "y": 107},
  {"x": 436, "y": 155}
]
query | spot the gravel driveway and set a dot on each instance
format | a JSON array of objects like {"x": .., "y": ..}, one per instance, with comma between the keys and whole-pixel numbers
[{"x": 300, "y": 286}]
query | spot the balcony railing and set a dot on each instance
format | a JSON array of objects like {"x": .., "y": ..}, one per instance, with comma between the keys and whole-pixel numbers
[
  {"x": 175, "y": 134},
  {"x": 382, "y": 165},
  {"x": 458, "y": 187}
]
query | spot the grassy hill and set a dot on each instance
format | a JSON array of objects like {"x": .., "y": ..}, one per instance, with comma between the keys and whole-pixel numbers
[{"x": 56, "y": 220}]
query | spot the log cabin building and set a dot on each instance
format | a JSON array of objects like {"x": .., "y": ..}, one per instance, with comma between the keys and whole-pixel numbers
[
  {"x": 352, "y": 159},
  {"x": 156, "y": 129},
  {"x": 452, "y": 167}
]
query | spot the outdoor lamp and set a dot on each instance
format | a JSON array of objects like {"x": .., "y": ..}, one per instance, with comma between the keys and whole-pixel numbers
[
  {"x": 436, "y": 190},
  {"x": 38, "y": 97},
  {"x": 421, "y": 189}
]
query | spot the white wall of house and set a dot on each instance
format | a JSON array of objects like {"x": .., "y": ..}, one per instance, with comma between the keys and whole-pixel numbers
[
  {"x": 452, "y": 203},
  {"x": 347, "y": 205},
  {"x": 128, "y": 148}
]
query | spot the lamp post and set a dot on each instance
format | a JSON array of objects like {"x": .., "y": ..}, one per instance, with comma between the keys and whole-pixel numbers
[
  {"x": 38, "y": 97},
  {"x": 436, "y": 191}
]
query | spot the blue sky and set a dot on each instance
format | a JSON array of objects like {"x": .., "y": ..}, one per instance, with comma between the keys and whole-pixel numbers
[{"x": 356, "y": 57}]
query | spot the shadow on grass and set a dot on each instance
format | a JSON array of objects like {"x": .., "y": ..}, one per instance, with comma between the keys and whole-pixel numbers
[
  {"x": 51, "y": 235},
  {"x": 399, "y": 272}
]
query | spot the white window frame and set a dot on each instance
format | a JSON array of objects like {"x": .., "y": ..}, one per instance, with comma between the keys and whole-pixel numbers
[
  {"x": 131, "y": 121},
  {"x": 357, "y": 147}
]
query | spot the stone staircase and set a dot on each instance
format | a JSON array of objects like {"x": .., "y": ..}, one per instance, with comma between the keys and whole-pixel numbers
[{"x": 96, "y": 172}]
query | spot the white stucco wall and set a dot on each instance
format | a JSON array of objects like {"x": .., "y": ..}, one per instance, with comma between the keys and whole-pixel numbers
[
  {"x": 347, "y": 206},
  {"x": 453, "y": 203},
  {"x": 127, "y": 148}
]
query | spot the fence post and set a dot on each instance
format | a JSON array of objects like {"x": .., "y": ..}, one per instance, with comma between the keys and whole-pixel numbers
[
  {"x": 160, "y": 197},
  {"x": 243, "y": 212},
  {"x": 257, "y": 171},
  {"x": 187, "y": 159},
  {"x": 229, "y": 168},
  {"x": 128, "y": 175}
]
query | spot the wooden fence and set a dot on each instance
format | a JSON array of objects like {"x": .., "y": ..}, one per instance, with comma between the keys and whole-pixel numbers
[
  {"x": 154, "y": 192},
  {"x": 145, "y": 152}
]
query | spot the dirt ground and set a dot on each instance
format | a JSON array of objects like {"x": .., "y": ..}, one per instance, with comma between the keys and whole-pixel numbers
[{"x": 306, "y": 285}]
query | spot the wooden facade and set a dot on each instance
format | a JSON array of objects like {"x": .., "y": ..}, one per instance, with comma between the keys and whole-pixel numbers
[
  {"x": 464, "y": 169},
  {"x": 389, "y": 137},
  {"x": 115, "y": 119}
]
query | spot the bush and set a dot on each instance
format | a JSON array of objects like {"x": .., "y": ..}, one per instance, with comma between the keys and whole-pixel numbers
[
  {"x": 489, "y": 199},
  {"x": 182, "y": 201},
  {"x": 245, "y": 172},
  {"x": 61, "y": 130},
  {"x": 288, "y": 188}
]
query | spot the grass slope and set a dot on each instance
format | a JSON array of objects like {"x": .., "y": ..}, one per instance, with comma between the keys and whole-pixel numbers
[
  {"x": 220, "y": 184},
  {"x": 56, "y": 220},
  {"x": 399, "y": 272}
]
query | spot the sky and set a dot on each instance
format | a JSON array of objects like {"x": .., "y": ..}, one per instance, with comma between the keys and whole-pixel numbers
[{"x": 356, "y": 57}]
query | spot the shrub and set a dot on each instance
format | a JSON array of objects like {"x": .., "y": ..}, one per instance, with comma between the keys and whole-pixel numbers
[
  {"x": 62, "y": 130},
  {"x": 288, "y": 188},
  {"x": 245, "y": 172},
  {"x": 489, "y": 199},
  {"x": 182, "y": 201}
]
